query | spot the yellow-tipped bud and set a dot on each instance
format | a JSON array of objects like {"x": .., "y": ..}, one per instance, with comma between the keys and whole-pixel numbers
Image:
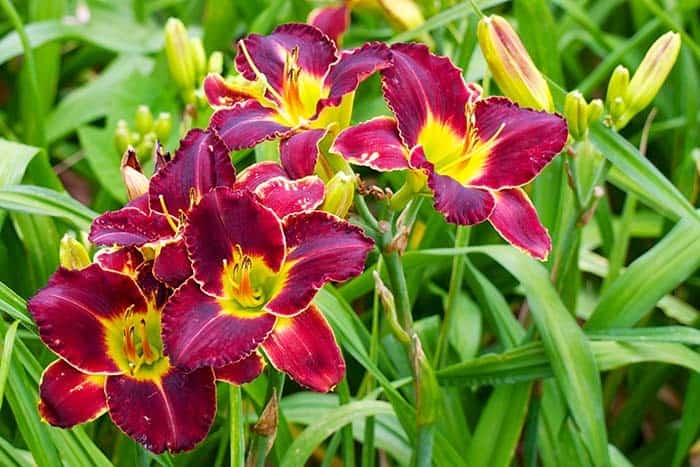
[
  {"x": 511, "y": 65},
  {"x": 617, "y": 86},
  {"x": 580, "y": 114},
  {"x": 72, "y": 254},
  {"x": 402, "y": 14},
  {"x": 340, "y": 192},
  {"x": 199, "y": 58},
  {"x": 122, "y": 136},
  {"x": 135, "y": 181},
  {"x": 216, "y": 63},
  {"x": 177, "y": 50},
  {"x": 144, "y": 119},
  {"x": 163, "y": 126}
]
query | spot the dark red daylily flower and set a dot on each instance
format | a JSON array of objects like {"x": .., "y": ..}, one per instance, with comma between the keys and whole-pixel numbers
[
  {"x": 475, "y": 152},
  {"x": 106, "y": 328},
  {"x": 295, "y": 86},
  {"x": 332, "y": 20},
  {"x": 255, "y": 276}
]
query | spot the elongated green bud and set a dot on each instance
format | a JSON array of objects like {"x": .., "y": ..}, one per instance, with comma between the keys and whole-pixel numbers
[
  {"x": 177, "y": 50},
  {"x": 425, "y": 384},
  {"x": 122, "y": 136},
  {"x": 72, "y": 254},
  {"x": 511, "y": 65},
  {"x": 144, "y": 119},
  {"x": 163, "y": 126},
  {"x": 617, "y": 86},
  {"x": 580, "y": 114},
  {"x": 216, "y": 63},
  {"x": 340, "y": 192},
  {"x": 199, "y": 58}
]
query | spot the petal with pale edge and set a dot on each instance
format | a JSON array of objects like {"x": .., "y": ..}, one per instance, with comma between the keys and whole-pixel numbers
[
  {"x": 515, "y": 218},
  {"x": 201, "y": 163},
  {"x": 525, "y": 141},
  {"x": 226, "y": 218},
  {"x": 199, "y": 331},
  {"x": 286, "y": 196},
  {"x": 299, "y": 152},
  {"x": 269, "y": 53},
  {"x": 243, "y": 371},
  {"x": 258, "y": 173},
  {"x": 72, "y": 311},
  {"x": 173, "y": 413},
  {"x": 424, "y": 89},
  {"x": 172, "y": 265},
  {"x": 304, "y": 347},
  {"x": 246, "y": 124},
  {"x": 124, "y": 260},
  {"x": 69, "y": 397},
  {"x": 459, "y": 204},
  {"x": 221, "y": 94},
  {"x": 321, "y": 248},
  {"x": 153, "y": 289},
  {"x": 353, "y": 67},
  {"x": 374, "y": 143},
  {"x": 129, "y": 227},
  {"x": 332, "y": 20}
]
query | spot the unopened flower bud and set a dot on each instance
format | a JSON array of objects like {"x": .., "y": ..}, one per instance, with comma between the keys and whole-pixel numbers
[
  {"x": 144, "y": 119},
  {"x": 122, "y": 137},
  {"x": 595, "y": 110},
  {"x": 135, "y": 181},
  {"x": 199, "y": 58},
  {"x": 404, "y": 15},
  {"x": 72, "y": 254},
  {"x": 616, "y": 109},
  {"x": 389, "y": 305},
  {"x": 340, "y": 192},
  {"x": 425, "y": 384},
  {"x": 147, "y": 144},
  {"x": 163, "y": 126},
  {"x": 177, "y": 50},
  {"x": 580, "y": 114},
  {"x": 617, "y": 86},
  {"x": 511, "y": 65},
  {"x": 216, "y": 63}
]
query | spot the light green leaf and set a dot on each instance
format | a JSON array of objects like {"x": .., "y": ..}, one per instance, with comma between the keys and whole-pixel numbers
[{"x": 42, "y": 201}]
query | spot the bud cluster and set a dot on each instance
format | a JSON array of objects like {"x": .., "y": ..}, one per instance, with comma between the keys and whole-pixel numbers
[{"x": 146, "y": 132}]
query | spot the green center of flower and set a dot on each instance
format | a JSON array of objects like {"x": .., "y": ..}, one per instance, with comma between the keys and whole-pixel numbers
[
  {"x": 135, "y": 344},
  {"x": 248, "y": 281}
]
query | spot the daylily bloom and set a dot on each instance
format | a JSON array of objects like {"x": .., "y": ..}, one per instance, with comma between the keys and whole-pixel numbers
[
  {"x": 255, "y": 277},
  {"x": 106, "y": 328},
  {"x": 294, "y": 86},
  {"x": 475, "y": 152}
]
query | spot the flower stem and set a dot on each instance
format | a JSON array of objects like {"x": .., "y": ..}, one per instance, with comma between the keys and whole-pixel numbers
[
  {"x": 236, "y": 440},
  {"x": 348, "y": 441},
  {"x": 456, "y": 279}
]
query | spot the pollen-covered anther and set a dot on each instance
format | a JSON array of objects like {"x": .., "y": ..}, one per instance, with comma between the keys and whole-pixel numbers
[
  {"x": 149, "y": 355},
  {"x": 242, "y": 287}
]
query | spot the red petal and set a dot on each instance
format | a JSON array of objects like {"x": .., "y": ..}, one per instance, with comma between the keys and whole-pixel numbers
[
  {"x": 258, "y": 173},
  {"x": 269, "y": 53},
  {"x": 172, "y": 413},
  {"x": 526, "y": 141},
  {"x": 515, "y": 218},
  {"x": 288, "y": 196},
  {"x": 375, "y": 143},
  {"x": 304, "y": 347},
  {"x": 124, "y": 260},
  {"x": 353, "y": 68},
  {"x": 219, "y": 94},
  {"x": 155, "y": 291},
  {"x": 332, "y": 20},
  {"x": 198, "y": 331},
  {"x": 72, "y": 310},
  {"x": 321, "y": 248},
  {"x": 140, "y": 203},
  {"x": 243, "y": 371},
  {"x": 459, "y": 204},
  {"x": 226, "y": 218},
  {"x": 69, "y": 397},
  {"x": 172, "y": 265},
  {"x": 201, "y": 163},
  {"x": 420, "y": 86},
  {"x": 246, "y": 124},
  {"x": 129, "y": 227},
  {"x": 299, "y": 152}
]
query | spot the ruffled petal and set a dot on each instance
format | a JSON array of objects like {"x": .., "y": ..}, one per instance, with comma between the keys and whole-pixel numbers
[
  {"x": 246, "y": 124},
  {"x": 124, "y": 260},
  {"x": 73, "y": 311},
  {"x": 304, "y": 347},
  {"x": 129, "y": 227},
  {"x": 353, "y": 67},
  {"x": 223, "y": 94},
  {"x": 459, "y": 204},
  {"x": 332, "y": 20},
  {"x": 515, "y": 218},
  {"x": 200, "y": 330},
  {"x": 222, "y": 222},
  {"x": 374, "y": 143},
  {"x": 243, "y": 371},
  {"x": 258, "y": 173},
  {"x": 427, "y": 94},
  {"x": 286, "y": 196},
  {"x": 172, "y": 265},
  {"x": 201, "y": 163},
  {"x": 321, "y": 248},
  {"x": 299, "y": 152},
  {"x": 69, "y": 397},
  {"x": 520, "y": 142},
  {"x": 315, "y": 52},
  {"x": 171, "y": 413}
]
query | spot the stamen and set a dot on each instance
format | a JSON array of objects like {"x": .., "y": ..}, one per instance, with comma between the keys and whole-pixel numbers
[
  {"x": 168, "y": 217},
  {"x": 257, "y": 72},
  {"x": 148, "y": 354},
  {"x": 129, "y": 346}
]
